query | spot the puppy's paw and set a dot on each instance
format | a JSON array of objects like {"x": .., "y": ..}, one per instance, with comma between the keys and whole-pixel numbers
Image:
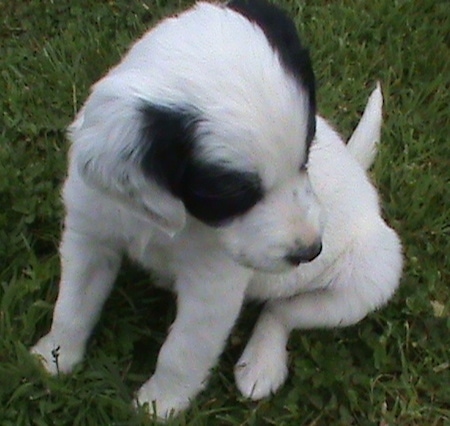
[
  {"x": 56, "y": 355},
  {"x": 261, "y": 370},
  {"x": 160, "y": 401}
]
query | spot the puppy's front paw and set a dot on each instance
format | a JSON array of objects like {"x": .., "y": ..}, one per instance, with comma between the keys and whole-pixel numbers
[
  {"x": 261, "y": 370},
  {"x": 162, "y": 401},
  {"x": 57, "y": 355}
]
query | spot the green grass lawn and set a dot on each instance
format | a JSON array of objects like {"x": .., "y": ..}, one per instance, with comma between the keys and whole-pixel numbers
[{"x": 391, "y": 369}]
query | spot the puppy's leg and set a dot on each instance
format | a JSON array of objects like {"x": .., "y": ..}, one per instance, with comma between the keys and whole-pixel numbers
[
  {"x": 89, "y": 268},
  {"x": 262, "y": 368},
  {"x": 349, "y": 298},
  {"x": 210, "y": 296}
]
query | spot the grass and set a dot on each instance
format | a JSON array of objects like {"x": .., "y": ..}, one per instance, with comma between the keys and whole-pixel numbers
[{"x": 391, "y": 369}]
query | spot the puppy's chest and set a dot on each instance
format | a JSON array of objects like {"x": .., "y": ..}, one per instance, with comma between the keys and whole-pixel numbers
[{"x": 148, "y": 248}]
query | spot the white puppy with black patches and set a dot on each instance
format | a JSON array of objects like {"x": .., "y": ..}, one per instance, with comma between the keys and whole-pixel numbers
[{"x": 195, "y": 157}]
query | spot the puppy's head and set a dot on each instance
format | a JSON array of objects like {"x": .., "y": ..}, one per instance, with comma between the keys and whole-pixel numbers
[
  {"x": 212, "y": 115},
  {"x": 237, "y": 158},
  {"x": 250, "y": 183}
]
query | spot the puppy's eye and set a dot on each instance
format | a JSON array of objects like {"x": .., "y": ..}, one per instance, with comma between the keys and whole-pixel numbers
[{"x": 215, "y": 194}]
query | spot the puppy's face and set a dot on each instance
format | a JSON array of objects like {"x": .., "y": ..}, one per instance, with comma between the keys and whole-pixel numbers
[
  {"x": 281, "y": 231},
  {"x": 245, "y": 177},
  {"x": 237, "y": 156},
  {"x": 260, "y": 199}
]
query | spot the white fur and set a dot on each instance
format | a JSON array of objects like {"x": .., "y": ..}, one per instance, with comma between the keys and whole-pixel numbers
[{"x": 253, "y": 122}]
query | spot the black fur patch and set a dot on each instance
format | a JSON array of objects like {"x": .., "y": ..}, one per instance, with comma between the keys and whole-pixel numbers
[
  {"x": 282, "y": 34},
  {"x": 213, "y": 193},
  {"x": 167, "y": 142}
]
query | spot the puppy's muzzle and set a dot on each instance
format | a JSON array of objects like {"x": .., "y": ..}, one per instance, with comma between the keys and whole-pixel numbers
[{"x": 304, "y": 254}]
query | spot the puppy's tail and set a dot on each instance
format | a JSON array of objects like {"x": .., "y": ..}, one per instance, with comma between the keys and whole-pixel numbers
[{"x": 365, "y": 138}]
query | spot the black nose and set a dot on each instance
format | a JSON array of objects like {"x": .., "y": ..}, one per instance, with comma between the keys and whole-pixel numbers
[{"x": 304, "y": 255}]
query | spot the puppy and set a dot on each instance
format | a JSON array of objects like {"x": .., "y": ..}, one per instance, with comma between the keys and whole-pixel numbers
[{"x": 194, "y": 157}]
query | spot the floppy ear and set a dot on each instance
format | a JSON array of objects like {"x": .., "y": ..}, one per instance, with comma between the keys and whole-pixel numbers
[
  {"x": 110, "y": 137},
  {"x": 365, "y": 138}
]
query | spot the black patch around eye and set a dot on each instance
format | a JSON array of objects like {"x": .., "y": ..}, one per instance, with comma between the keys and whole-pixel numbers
[
  {"x": 282, "y": 35},
  {"x": 212, "y": 193},
  {"x": 216, "y": 194}
]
